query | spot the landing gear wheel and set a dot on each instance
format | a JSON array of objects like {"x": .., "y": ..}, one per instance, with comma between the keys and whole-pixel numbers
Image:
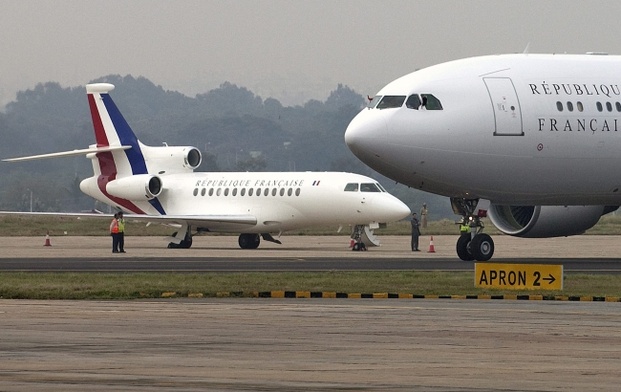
[
  {"x": 463, "y": 247},
  {"x": 359, "y": 246},
  {"x": 482, "y": 247},
  {"x": 249, "y": 241}
]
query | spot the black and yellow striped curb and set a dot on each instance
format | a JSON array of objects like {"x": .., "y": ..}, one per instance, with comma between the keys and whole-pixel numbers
[{"x": 334, "y": 294}]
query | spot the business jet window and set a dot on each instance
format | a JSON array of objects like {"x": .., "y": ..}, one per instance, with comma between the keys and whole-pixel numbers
[
  {"x": 570, "y": 106},
  {"x": 369, "y": 187},
  {"x": 351, "y": 187},
  {"x": 282, "y": 191},
  {"x": 413, "y": 102},
  {"x": 618, "y": 106},
  {"x": 203, "y": 191},
  {"x": 210, "y": 192},
  {"x": 430, "y": 102},
  {"x": 559, "y": 106},
  {"x": 391, "y": 101},
  {"x": 609, "y": 106},
  {"x": 195, "y": 192},
  {"x": 374, "y": 101}
]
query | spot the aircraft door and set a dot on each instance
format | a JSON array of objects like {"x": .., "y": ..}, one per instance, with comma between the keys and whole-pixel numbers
[{"x": 507, "y": 112}]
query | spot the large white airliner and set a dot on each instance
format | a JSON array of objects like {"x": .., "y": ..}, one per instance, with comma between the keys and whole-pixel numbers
[
  {"x": 158, "y": 184},
  {"x": 533, "y": 141}
]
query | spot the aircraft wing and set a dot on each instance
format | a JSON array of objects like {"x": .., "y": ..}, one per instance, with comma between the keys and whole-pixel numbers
[{"x": 192, "y": 220}]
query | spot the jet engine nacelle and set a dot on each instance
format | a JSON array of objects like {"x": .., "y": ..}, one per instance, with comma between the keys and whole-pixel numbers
[
  {"x": 172, "y": 159},
  {"x": 545, "y": 221},
  {"x": 138, "y": 187}
]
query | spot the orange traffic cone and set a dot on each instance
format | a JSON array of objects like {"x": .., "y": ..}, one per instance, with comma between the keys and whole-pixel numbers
[
  {"x": 47, "y": 240},
  {"x": 432, "y": 249}
]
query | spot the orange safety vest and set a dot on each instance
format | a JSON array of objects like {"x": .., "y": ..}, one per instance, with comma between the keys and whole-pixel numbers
[{"x": 114, "y": 226}]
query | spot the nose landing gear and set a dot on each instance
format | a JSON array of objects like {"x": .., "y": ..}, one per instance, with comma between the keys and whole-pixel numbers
[{"x": 472, "y": 244}]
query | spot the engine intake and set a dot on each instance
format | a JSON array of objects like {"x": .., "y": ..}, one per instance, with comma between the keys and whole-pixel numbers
[{"x": 545, "y": 221}]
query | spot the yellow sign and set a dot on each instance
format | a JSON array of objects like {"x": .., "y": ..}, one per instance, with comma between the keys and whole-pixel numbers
[{"x": 518, "y": 276}]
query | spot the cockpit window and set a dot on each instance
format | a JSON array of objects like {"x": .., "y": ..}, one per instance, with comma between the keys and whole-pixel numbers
[
  {"x": 391, "y": 101},
  {"x": 351, "y": 187},
  {"x": 380, "y": 187},
  {"x": 369, "y": 187},
  {"x": 430, "y": 102},
  {"x": 413, "y": 102},
  {"x": 374, "y": 101}
]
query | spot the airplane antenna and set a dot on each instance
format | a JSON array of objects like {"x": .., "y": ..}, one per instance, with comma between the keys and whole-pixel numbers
[{"x": 527, "y": 48}]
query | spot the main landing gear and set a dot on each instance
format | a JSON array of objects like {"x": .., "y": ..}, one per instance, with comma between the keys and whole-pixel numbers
[
  {"x": 182, "y": 239},
  {"x": 472, "y": 244}
]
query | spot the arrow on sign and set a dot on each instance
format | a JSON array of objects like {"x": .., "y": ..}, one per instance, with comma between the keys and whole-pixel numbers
[{"x": 551, "y": 279}]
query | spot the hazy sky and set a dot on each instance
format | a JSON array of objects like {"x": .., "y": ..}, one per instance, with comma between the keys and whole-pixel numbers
[{"x": 289, "y": 50}]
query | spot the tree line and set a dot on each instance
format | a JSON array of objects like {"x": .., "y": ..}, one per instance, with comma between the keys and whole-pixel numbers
[{"x": 235, "y": 129}]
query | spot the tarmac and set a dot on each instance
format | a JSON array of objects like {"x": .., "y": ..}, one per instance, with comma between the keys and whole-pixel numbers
[
  {"x": 309, "y": 345},
  {"x": 585, "y": 246},
  {"x": 268, "y": 344}
]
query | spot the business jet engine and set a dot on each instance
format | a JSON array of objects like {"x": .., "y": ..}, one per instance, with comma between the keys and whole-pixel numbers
[
  {"x": 546, "y": 221},
  {"x": 172, "y": 159},
  {"x": 138, "y": 187}
]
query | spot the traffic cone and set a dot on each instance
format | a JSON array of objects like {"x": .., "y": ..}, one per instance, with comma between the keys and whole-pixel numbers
[
  {"x": 47, "y": 240},
  {"x": 432, "y": 249}
]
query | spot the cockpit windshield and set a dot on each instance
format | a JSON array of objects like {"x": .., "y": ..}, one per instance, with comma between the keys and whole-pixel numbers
[
  {"x": 391, "y": 101},
  {"x": 369, "y": 187},
  {"x": 423, "y": 101},
  {"x": 351, "y": 187},
  {"x": 364, "y": 187}
]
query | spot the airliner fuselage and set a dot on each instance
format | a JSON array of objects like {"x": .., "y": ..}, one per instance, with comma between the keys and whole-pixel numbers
[
  {"x": 536, "y": 138},
  {"x": 513, "y": 129}
]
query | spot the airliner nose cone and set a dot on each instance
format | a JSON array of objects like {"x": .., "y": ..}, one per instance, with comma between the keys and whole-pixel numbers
[{"x": 362, "y": 132}]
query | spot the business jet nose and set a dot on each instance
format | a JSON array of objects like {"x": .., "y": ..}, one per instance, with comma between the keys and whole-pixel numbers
[
  {"x": 391, "y": 209},
  {"x": 363, "y": 132}
]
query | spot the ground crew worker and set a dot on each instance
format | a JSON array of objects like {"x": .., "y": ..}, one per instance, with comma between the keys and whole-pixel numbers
[
  {"x": 121, "y": 223},
  {"x": 415, "y": 232},
  {"x": 114, "y": 232},
  {"x": 423, "y": 216}
]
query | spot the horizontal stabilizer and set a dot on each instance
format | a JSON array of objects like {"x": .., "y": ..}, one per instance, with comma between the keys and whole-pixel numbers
[{"x": 71, "y": 153}]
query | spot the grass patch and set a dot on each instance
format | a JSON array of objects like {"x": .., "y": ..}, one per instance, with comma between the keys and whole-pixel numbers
[
  {"x": 31, "y": 285},
  {"x": 16, "y": 225}
]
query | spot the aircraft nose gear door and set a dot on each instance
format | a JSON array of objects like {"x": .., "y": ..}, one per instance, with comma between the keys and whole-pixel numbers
[{"x": 507, "y": 112}]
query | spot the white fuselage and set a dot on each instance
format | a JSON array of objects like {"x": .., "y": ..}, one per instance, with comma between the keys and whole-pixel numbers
[
  {"x": 513, "y": 129},
  {"x": 279, "y": 201}
]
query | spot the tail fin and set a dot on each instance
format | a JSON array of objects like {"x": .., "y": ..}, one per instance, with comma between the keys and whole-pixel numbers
[{"x": 111, "y": 130}]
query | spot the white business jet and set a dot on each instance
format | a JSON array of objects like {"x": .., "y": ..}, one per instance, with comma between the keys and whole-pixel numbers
[
  {"x": 532, "y": 141},
  {"x": 158, "y": 184}
]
